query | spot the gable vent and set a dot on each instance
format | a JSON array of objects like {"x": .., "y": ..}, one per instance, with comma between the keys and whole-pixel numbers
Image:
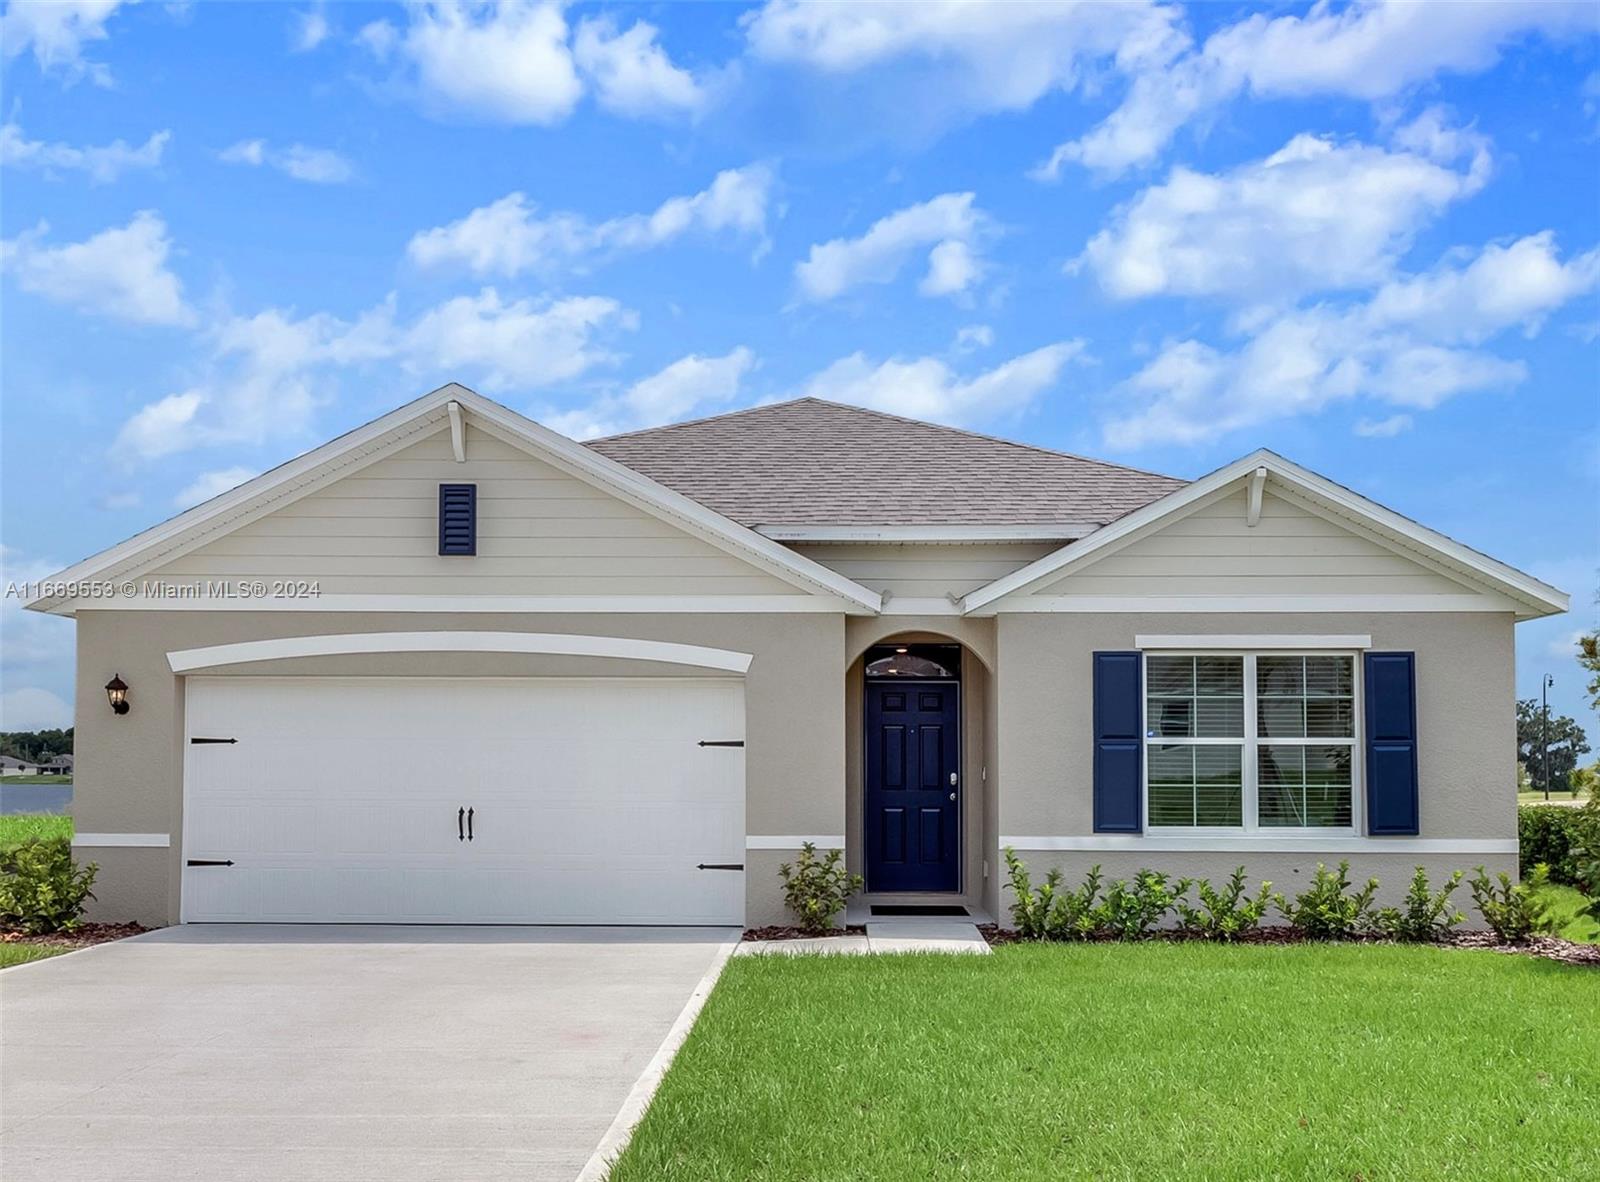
[{"x": 458, "y": 519}]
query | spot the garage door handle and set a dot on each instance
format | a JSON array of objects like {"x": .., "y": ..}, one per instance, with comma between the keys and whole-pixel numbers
[
  {"x": 469, "y": 823},
  {"x": 720, "y": 866},
  {"x": 461, "y": 817}
]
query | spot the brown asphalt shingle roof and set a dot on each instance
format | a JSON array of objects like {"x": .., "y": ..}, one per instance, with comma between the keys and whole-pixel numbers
[{"x": 812, "y": 462}]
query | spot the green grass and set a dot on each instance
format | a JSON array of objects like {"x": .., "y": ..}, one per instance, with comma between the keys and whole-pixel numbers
[
  {"x": 35, "y": 779},
  {"x": 1568, "y": 907},
  {"x": 1555, "y": 798},
  {"x": 13, "y": 954},
  {"x": 1149, "y": 1061},
  {"x": 26, "y": 825}
]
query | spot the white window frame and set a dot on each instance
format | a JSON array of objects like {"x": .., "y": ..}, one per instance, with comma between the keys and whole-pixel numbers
[{"x": 1251, "y": 741}]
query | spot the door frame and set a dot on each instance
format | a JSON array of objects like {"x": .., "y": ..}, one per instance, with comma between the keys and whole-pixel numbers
[{"x": 960, "y": 851}]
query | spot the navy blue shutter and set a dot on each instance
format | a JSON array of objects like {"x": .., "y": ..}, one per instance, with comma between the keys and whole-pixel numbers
[
  {"x": 458, "y": 519},
  {"x": 1391, "y": 691},
  {"x": 1118, "y": 742}
]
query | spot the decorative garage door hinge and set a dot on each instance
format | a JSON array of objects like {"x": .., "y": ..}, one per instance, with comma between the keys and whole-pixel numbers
[
  {"x": 720, "y": 866},
  {"x": 199, "y": 740},
  {"x": 208, "y": 862},
  {"x": 721, "y": 742}
]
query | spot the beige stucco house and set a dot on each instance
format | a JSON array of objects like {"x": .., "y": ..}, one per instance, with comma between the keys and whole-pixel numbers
[{"x": 454, "y": 667}]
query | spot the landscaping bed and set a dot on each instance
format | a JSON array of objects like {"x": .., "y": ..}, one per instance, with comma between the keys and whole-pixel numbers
[
  {"x": 20, "y": 948},
  {"x": 782, "y": 932},
  {"x": 1156, "y": 1059}
]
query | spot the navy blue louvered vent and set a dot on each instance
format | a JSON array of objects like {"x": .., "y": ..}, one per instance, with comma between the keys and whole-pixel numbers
[{"x": 458, "y": 519}]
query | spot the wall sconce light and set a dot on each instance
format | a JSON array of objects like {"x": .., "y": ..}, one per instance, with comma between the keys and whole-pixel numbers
[{"x": 117, "y": 691}]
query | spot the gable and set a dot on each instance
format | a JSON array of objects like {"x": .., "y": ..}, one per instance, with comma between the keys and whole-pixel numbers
[
  {"x": 541, "y": 532},
  {"x": 1290, "y": 551}
]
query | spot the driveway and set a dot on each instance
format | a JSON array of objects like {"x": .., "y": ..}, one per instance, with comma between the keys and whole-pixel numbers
[{"x": 343, "y": 1053}]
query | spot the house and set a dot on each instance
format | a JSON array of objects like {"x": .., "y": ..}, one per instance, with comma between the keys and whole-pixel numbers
[
  {"x": 453, "y": 667},
  {"x": 11, "y": 766},
  {"x": 57, "y": 765}
]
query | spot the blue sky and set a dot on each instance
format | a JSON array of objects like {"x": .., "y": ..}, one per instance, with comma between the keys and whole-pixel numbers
[{"x": 1366, "y": 236}]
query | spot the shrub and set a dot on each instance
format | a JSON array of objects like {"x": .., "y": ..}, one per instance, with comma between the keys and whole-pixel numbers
[
  {"x": 816, "y": 889},
  {"x": 1510, "y": 910},
  {"x": 42, "y": 889},
  {"x": 1328, "y": 909},
  {"x": 1586, "y": 853},
  {"x": 1426, "y": 916},
  {"x": 1224, "y": 913},
  {"x": 1048, "y": 912},
  {"x": 1546, "y": 833},
  {"x": 1132, "y": 909}
]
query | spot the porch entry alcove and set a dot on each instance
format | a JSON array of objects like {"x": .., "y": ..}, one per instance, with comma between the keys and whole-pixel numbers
[{"x": 912, "y": 786}]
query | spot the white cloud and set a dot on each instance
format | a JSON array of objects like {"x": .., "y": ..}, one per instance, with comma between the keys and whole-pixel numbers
[
  {"x": 118, "y": 272},
  {"x": 996, "y": 56},
  {"x": 690, "y": 385},
  {"x": 268, "y": 373},
  {"x": 1383, "y": 428},
  {"x": 55, "y": 32},
  {"x": 631, "y": 73},
  {"x": 1361, "y": 50},
  {"x": 310, "y": 29},
  {"x": 949, "y": 226},
  {"x": 1412, "y": 344},
  {"x": 510, "y": 236},
  {"x": 102, "y": 165},
  {"x": 925, "y": 388},
  {"x": 1315, "y": 215},
  {"x": 973, "y": 336},
  {"x": 507, "y": 62},
  {"x": 318, "y": 166},
  {"x": 212, "y": 484},
  {"x": 33, "y": 709}
]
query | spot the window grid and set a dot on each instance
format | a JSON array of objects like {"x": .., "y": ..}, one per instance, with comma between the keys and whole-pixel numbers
[{"x": 1252, "y": 744}]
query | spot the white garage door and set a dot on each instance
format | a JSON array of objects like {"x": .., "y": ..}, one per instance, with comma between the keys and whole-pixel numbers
[{"x": 432, "y": 800}]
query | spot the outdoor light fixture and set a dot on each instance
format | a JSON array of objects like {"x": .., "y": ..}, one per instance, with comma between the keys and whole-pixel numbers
[{"x": 117, "y": 691}]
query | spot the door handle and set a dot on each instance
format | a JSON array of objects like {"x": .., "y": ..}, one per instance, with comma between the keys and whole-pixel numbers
[
  {"x": 469, "y": 823},
  {"x": 461, "y": 816},
  {"x": 952, "y": 779}
]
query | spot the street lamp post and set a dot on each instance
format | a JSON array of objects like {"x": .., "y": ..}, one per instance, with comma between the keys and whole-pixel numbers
[{"x": 1544, "y": 731}]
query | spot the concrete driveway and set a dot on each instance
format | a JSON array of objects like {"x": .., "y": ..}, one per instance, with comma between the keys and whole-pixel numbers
[{"x": 343, "y": 1053}]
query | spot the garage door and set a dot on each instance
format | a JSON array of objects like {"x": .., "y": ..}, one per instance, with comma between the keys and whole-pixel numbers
[{"x": 432, "y": 800}]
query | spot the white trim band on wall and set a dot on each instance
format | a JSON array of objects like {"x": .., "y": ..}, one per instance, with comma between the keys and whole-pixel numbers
[
  {"x": 1253, "y": 642},
  {"x": 764, "y": 841},
  {"x": 1309, "y": 846},
  {"x": 547, "y": 643},
  {"x": 156, "y": 840}
]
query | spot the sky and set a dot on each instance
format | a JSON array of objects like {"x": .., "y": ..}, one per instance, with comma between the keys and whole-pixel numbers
[{"x": 1366, "y": 236}]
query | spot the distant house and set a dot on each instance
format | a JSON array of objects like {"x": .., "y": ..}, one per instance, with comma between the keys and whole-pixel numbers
[
  {"x": 57, "y": 765},
  {"x": 11, "y": 766}
]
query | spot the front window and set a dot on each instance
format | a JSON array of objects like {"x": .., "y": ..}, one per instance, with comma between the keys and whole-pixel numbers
[{"x": 1247, "y": 741}]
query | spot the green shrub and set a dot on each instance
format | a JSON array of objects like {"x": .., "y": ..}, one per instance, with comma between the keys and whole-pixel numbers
[
  {"x": 1586, "y": 853},
  {"x": 1223, "y": 914},
  {"x": 1328, "y": 909},
  {"x": 1129, "y": 910},
  {"x": 1048, "y": 912},
  {"x": 816, "y": 889},
  {"x": 42, "y": 889},
  {"x": 1512, "y": 910},
  {"x": 1426, "y": 916},
  {"x": 1546, "y": 833}
]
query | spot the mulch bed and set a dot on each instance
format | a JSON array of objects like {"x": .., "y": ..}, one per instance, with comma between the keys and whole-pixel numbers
[
  {"x": 1543, "y": 947},
  {"x": 81, "y": 936},
  {"x": 792, "y": 933}
]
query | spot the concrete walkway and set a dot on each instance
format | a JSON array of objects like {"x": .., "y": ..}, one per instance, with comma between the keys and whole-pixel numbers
[
  {"x": 910, "y": 934},
  {"x": 341, "y": 1053}
]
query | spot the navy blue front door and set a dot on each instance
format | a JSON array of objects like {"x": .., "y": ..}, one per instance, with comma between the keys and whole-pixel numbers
[{"x": 913, "y": 786}]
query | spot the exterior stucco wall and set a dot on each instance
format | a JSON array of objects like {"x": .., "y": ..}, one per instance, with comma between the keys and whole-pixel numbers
[
  {"x": 129, "y": 773},
  {"x": 1465, "y": 722}
]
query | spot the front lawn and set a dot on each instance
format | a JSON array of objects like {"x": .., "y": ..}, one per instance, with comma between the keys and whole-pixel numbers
[
  {"x": 22, "y": 953},
  {"x": 25, "y": 825},
  {"x": 1137, "y": 1061}
]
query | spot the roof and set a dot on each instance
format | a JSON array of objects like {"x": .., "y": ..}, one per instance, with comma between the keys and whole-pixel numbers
[{"x": 813, "y": 462}]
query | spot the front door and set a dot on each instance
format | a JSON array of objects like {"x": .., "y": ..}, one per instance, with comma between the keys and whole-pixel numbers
[{"x": 913, "y": 785}]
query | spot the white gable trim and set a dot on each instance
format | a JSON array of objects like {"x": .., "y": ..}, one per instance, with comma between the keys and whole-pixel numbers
[
  {"x": 551, "y": 643},
  {"x": 1529, "y": 596},
  {"x": 365, "y": 445}
]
